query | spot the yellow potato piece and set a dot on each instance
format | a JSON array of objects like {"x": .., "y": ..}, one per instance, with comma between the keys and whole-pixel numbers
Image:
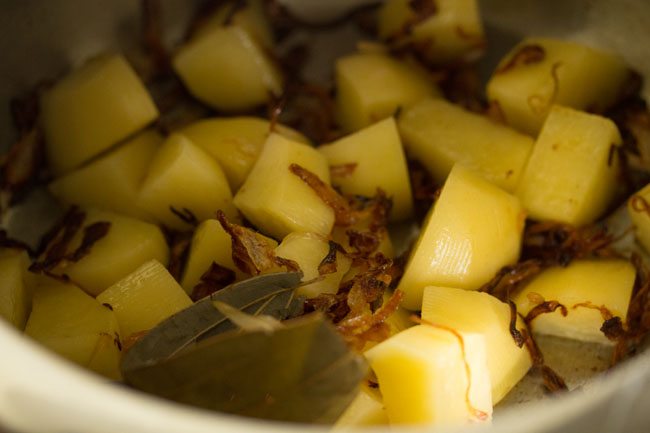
[
  {"x": 235, "y": 142},
  {"x": 366, "y": 409},
  {"x": 423, "y": 377},
  {"x": 639, "y": 209},
  {"x": 540, "y": 72},
  {"x": 473, "y": 230},
  {"x": 572, "y": 174},
  {"x": 183, "y": 176},
  {"x": 379, "y": 163},
  {"x": 144, "y": 298},
  {"x": 583, "y": 288},
  {"x": 91, "y": 109},
  {"x": 74, "y": 325},
  {"x": 111, "y": 182},
  {"x": 277, "y": 201},
  {"x": 480, "y": 313},
  {"x": 210, "y": 243},
  {"x": 440, "y": 134},
  {"x": 249, "y": 16},
  {"x": 453, "y": 32},
  {"x": 309, "y": 250},
  {"x": 373, "y": 86},
  {"x": 16, "y": 285},
  {"x": 128, "y": 243},
  {"x": 228, "y": 70}
]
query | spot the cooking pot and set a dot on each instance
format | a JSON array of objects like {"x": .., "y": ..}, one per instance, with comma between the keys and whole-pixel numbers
[{"x": 40, "y": 392}]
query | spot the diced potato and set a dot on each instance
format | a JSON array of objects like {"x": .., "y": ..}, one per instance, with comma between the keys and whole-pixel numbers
[
  {"x": 235, "y": 142},
  {"x": 112, "y": 181},
  {"x": 380, "y": 163},
  {"x": 144, "y": 298},
  {"x": 278, "y": 202},
  {"x": 210, "y": 243},
  {"x": 183, "y": 176},
  {"x": 453, "y": 32},
  {"x": 473, "y": 230},
  {"x": 440, "y": 134},
  {"x": 91, "y": 109},
  {"x": 480, "y": 313},
  {"x": 639, "y": 209},
  {"x": 423, "y": 378},
  {"x": 539, "y": 72},
  {"x": 572, "y": 173},
  {"x": 15, "y": 286},
  {"x": 228, "y": 70},
  {"x": 589, "y": 289},
  {"x": 74, "y": 325},
  {"x": 309, "y": 250},
  {"x": 372, "y": 86},
  {"x": 366, "y": 409},
  {"x": 249, "y": 16},
  {"x": 128, "y": 243}
]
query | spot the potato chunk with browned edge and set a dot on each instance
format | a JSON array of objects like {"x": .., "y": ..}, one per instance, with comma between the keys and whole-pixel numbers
[
  {"x": 91, "y": 109},
  {"x": 452, "y": 30},
  {"x": 277, "y": 201},
  {"x": 540, "y": 72},
  {"x": 591, "y": 291},
  {"x": 128, "y": 243}
]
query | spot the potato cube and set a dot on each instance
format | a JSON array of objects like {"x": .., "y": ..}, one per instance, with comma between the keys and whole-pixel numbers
[
  {"x": 473, "y": 230},
  {"x": 378, "y": 162},
  {"x": 228, "y": 70},
  {"x": 591, "y": 291},
  {"x": 423, "y": 377},
  {"x": 91, "y": 109},
  {"x": 249, "y": 16},
  {"x": 453, "y": 32},
  {"x": 309, "y": 250},
  {"x": 183, "y": 176},
  {"x": 74, "y": 325},
  {"x": 639, "y": 209},
  {"x": 572, "y": 172},
  {"x": 210, "y": 243},
  {"x": 440, "y": 134},
  {"x": 366, "y": 409},
  {"x": 235, "y": 142},
  {"x": 15, "y": 286},
  {"x": 483, "y": 314},
  {"x": 128, "y": 243},
  {"x": 276, "y": 200},
  {"x": 111, "y": 182},
  {"x": 539, "y": 73},
  {"x": 144, "y": 298},
  {"x": 372, "y": 86}
]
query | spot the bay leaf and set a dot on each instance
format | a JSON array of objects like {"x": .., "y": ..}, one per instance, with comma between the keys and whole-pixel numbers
[
  {"x": 301, "y": 372},
  {"x": 269, "y": 294}
]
